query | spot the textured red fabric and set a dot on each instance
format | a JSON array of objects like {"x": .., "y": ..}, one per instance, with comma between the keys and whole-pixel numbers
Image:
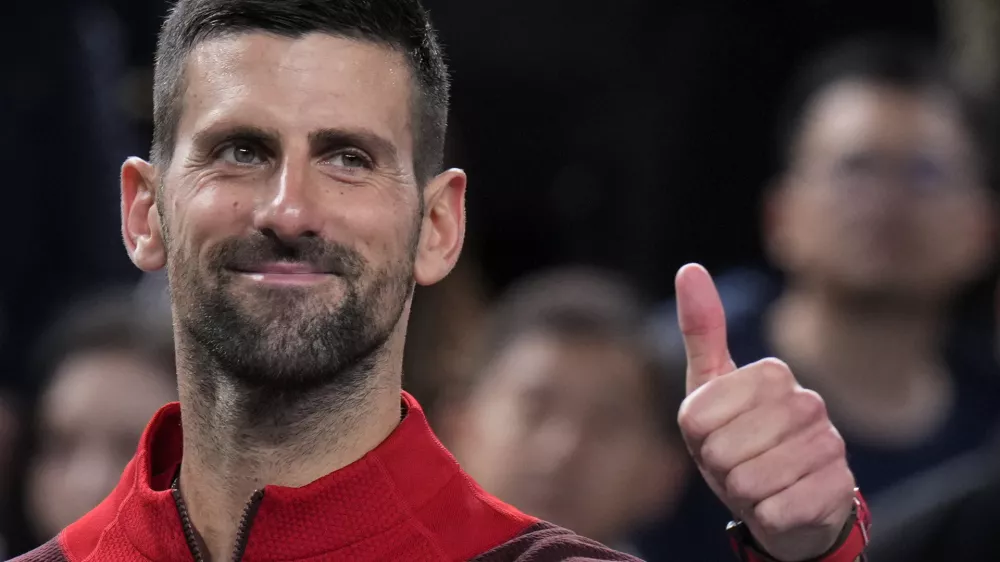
[{"x": 406, "y": 500}]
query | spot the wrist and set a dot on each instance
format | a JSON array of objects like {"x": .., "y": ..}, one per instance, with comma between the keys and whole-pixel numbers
[{"x": 850, "y": 545}]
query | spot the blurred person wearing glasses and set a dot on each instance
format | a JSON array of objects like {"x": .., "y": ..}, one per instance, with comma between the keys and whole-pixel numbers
[{"x": 880, "y": 218}]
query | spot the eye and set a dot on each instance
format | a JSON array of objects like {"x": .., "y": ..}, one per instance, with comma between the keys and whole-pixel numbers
[
  {"x": 927, "y": 173},
  {"x": 857, "y": 165},
  {"x": 242, "y": 154},
  {"x": 351, "y": 160}
]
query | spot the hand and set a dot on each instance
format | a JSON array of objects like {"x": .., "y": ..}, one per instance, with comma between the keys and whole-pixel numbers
[{"x": 764, "y": 444}]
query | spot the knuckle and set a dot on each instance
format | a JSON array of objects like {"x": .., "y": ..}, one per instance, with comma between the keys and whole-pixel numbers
[
  {"x": 809, "y": 515},
  {"x": 813, "y": 514},
  {"x": 713, "y": 455},
  {"x": 775, "y": 372},
  {"x": 771, "y": 518},
  {"x": 691, "y": 423},
  {"x": 741, "y": 485},
  {"x": 809, "y": 405},
  {"x": 831, "y": 445}
]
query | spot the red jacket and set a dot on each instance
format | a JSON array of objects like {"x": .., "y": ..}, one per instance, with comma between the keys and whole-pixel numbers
[{"x": 406, "y": 500}]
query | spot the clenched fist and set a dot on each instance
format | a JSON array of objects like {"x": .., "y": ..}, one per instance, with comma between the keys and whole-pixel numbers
[{"x": 764, "y": 444}]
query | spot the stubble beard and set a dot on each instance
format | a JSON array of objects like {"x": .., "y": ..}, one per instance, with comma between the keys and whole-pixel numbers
[{"x": 294, "y": 343}]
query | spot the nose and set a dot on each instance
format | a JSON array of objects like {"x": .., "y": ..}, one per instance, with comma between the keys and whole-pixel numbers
[
  {"x": 561, "y": 440},
  {"x": 288, "y": 209}
]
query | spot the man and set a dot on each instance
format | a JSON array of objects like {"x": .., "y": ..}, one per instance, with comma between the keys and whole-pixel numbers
[
  {"x": 294, "y": 198},
  {"x": 103, "y": 369},
  {"x": 879, "y": 219},
  {"x": 568, "y": 416}
]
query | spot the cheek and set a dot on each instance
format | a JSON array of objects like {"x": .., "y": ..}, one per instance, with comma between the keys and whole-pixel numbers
[
  {"x": 494, "y": 435},
  {"x": 206, "y": 215},
  {"x": 957, "y": 236},
  {"x": 799, "y": 214},
  {"x": 381, "y": 224},
  {"x": 497, "y": 433}
]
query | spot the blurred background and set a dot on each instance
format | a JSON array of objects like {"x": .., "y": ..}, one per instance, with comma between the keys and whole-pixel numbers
[{"x": 830, "y": 162}]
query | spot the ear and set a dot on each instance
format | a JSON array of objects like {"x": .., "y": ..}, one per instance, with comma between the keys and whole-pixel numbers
[
  {"x": 986, "y": 226},
  {"x": 773, "y": 219},
  {"x": 141, "y": 227},
  {"x": 443, "y": 229},
  {"x": 663, "y": 479},
  {"x": 452, "y": 421}
]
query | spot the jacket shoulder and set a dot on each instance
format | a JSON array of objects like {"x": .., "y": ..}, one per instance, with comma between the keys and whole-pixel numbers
[
  {"x": 48, "y": 552},
  {"x": 544, "y": 542}
]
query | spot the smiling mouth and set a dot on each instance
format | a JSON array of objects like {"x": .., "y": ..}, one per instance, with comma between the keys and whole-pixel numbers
[{"x": 284, "y": 273}]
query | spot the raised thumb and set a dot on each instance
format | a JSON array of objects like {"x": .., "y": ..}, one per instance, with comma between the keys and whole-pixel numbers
[{"x": 703, "y": 324}]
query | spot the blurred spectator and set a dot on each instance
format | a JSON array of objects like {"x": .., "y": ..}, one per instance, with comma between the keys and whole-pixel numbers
[
  {"x": 880, "y": 218},
  {"x": 9, "y": 428},
  {"x": 620, "y": 118},
  {"x": 445, "y": 320},
  {"x": 945, "y": 513},
  {"x": 568, "y": 417},
  {"x": 105, "y": 368}
]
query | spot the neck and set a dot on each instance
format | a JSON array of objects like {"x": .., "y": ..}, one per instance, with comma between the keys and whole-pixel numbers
[
  {"x": 238, "y": 439},
  {"x": 875, "y": 360}
]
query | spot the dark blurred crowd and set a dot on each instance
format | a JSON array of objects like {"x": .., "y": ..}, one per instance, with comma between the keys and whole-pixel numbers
[{"x": 824, "y": 159}]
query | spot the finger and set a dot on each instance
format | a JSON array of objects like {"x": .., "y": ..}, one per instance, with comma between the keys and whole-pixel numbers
[
  {"x": 703, "y": 324},
  {"x": 782, "y": 467},
  {"x": 821, "y": 500},
  {"x": 760, "y": 430},
  {"x": 721, "y": 401}
]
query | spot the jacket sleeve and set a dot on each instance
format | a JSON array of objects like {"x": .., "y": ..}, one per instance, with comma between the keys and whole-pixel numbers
[
  {"x": 545, "y": 542},
  {"x": 48, "y": 552}
]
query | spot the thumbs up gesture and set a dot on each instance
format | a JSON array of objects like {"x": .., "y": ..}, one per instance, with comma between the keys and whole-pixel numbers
[{"x": 764, "y": 444}]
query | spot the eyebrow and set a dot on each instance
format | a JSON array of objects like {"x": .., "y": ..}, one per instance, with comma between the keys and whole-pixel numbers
[
  {"x": 207, "y": 139},
  {"x": 380, "y": 148},
  {"x": 321, "y": 141}
]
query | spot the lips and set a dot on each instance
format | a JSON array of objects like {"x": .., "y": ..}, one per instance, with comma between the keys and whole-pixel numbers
[{"x": 282, "y": 268}]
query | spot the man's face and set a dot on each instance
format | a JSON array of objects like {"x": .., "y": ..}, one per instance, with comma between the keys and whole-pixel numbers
[
  {"x": 90, "y": 418},
  {"x": 882, "y": 194},
  {"x": 291, "y": 214},
  {"x": 563, "y": 429}
]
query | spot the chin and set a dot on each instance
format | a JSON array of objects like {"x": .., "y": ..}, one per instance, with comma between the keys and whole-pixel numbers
[
  {"x": 287, "y": 304},
  {"x": 877, "y": 285},
  {"x": 286, "y": 362}
]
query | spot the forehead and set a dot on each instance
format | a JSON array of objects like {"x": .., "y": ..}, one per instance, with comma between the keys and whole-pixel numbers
[
  {"x": 593, "y": 369},
  {"x": 104, "y": 385},
  {"x": 297, "y": 85},
  {"x": 855, "y": 113}
]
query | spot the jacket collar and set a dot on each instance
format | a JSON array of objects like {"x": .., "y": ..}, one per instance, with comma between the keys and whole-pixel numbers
[{"x": 407, "y": 486}]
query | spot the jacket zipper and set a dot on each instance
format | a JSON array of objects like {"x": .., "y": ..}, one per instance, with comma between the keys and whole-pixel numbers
[{"x": 242, "y": 533}]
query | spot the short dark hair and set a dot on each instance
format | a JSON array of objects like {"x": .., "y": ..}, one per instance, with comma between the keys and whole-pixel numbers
[
  {"x": 584, "y": 302},
  {"x": 899, "y": 62},
  {"x": 109, "y": 321},
  {"x": 403, "y": 25}
]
